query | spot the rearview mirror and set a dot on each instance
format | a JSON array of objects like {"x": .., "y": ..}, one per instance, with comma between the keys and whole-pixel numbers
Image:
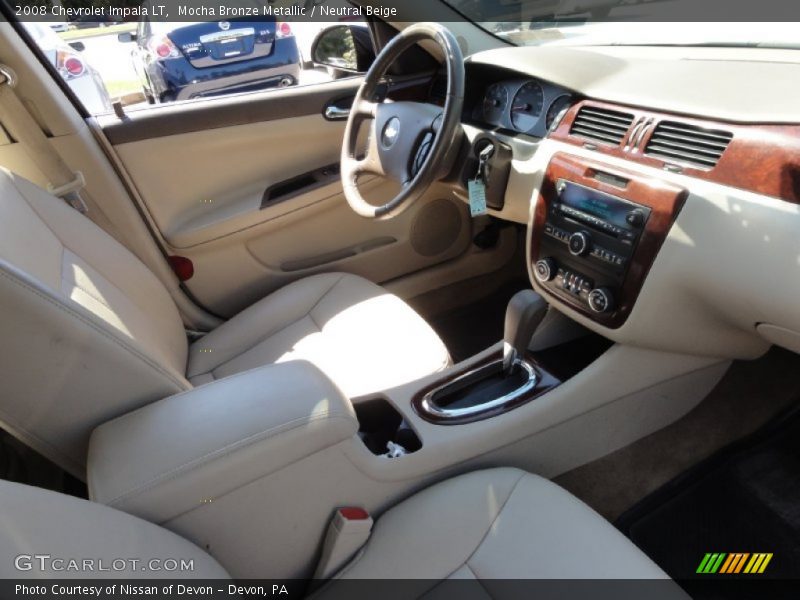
[
  {"x": 126, "y": 37},
  {"x": 344, "y": 49}
]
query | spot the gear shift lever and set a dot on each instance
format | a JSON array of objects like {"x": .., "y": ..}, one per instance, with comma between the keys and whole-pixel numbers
[
  {"x": 524, "y": 314},
  {"x": 496, "y": 386}
]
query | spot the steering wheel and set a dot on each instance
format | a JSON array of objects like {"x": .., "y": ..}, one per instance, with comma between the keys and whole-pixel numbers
[{"x": 408, "y": 142}]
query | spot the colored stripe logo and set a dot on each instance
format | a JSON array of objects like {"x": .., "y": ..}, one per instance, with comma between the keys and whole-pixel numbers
[{"x": 735, "y": 563}]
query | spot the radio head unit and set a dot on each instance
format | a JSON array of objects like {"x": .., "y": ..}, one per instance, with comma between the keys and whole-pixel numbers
[
  {"x": 606, "y": 213},
  {"x": 588, "y": 232}
]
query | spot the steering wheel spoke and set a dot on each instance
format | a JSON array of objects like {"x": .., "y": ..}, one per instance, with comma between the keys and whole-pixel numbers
[
  {"x": 369, "y": 165},
  {"x": 364, "y": 108}
]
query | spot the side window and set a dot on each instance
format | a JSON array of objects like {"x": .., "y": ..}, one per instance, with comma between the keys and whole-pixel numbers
[{"x": 146, "y": 63}]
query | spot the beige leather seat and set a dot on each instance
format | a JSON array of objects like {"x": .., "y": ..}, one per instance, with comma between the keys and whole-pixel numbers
[
  {"x": 494, "y": 524},
  {"x": 498, "y": 524},
  {"x": 89, "y": 333},
  {"x": 357, "y": 334}
]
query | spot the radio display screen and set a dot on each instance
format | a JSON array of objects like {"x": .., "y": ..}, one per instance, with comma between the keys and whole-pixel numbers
[{"x": 604, "y": 206}]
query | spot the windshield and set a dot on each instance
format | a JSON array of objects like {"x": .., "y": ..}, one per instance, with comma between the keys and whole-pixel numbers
[{"x": 617, "y": 22}]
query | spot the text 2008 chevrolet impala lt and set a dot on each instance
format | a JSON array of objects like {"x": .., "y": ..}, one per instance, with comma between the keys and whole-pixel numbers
[{"x": 501, "y": 300}]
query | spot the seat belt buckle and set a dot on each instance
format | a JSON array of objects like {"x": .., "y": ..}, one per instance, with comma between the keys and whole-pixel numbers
[
  {"x": 347, "y": 533},
  {"x": 70, "y": 192}
]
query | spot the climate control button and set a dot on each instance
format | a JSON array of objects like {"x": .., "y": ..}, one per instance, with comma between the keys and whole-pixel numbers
[
  {"x": 579, "y": 243},
  {"x": 545, "y": 270},
  {"x": 601, "y": 300}
]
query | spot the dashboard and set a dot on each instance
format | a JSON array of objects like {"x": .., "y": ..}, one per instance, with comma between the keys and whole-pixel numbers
[
  {"x": 521, "y": 105},
  {"x": 649, "y": 187}
]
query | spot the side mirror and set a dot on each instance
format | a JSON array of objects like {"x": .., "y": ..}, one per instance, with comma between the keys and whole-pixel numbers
[
  {"x": 344, "y": 49},
  {"x": 79, "y": 46},
  {"x": 126, "y": 37}
]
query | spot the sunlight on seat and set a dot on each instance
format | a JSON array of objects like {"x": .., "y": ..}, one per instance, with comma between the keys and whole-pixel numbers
[{"x": 84, "y": 286}]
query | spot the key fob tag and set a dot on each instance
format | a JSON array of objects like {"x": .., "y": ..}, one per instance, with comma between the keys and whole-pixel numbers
[{"x": 477, "y": 197}]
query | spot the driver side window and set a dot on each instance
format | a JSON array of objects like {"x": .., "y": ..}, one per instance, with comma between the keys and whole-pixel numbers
[{"x": 151, "y": 62}]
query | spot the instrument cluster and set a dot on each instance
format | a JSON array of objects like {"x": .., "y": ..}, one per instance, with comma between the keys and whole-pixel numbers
[{"x": 525, "y": 106}]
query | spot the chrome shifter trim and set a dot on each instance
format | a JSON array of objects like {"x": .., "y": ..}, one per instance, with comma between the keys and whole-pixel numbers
[
  {"x": 510, "y": 358},
  {"x": 475, "y": 375}
]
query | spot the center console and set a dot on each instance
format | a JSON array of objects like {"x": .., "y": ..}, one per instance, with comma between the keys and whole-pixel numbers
[
  {"x": 595, "y": 234},
  {"x": 271, "y": 453},
  {"x": 174, "y": 456}
]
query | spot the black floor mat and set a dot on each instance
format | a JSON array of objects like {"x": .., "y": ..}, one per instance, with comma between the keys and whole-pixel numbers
[
  {"x": 746, "y": 499},
  {"x": 471, "y": 329}
]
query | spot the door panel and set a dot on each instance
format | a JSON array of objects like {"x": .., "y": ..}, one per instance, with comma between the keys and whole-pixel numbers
[
  {"x": 233, "y": 272},
  {"x": 221, "y": 174},
  {"x": 203, "y": 182}
]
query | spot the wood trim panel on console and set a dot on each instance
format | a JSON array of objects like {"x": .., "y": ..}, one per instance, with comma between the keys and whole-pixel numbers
[
  {"x": 664, "y": 199},
  {"x": 764, "y": 159}
]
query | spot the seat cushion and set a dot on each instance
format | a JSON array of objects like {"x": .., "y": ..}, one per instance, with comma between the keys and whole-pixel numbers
[
  {"x": 490, "y": 525},
  {"x": 37, "y": 523},
  {"x": 359, "y": 335},
  {"x": 496, "y": 524}
]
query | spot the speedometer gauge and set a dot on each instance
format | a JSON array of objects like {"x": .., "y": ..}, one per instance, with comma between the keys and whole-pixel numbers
[
  {"x": 494, "y": 103},
  {"x": 526, "y": 107}
]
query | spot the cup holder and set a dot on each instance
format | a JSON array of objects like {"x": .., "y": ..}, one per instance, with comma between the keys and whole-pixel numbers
[{"x": 380, "y": 423}]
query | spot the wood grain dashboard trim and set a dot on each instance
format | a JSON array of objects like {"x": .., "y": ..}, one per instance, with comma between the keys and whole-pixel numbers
[
  {"x": 664, "y": 199},
  {"x": 764, "y": 159}
]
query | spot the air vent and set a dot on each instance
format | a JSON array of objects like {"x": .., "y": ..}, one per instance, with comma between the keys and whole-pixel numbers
[
  {"x": 681, "y": 142},
  {"x": 602, "y": 125}
]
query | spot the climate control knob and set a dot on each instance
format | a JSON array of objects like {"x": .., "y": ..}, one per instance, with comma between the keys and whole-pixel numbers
[
  {"x": 545, "y": 270},
  {"x": 579, "y": 243},
  {"x": 601, "y": 300}
]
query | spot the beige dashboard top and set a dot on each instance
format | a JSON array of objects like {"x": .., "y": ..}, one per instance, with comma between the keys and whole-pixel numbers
[{"x": 747, "y": 85}]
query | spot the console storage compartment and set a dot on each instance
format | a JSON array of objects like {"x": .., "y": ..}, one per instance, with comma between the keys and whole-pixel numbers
[{"x": 182, "y": 452}]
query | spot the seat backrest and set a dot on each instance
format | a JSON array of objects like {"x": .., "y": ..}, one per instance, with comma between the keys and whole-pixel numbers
[{"x": 88, "y": 331}]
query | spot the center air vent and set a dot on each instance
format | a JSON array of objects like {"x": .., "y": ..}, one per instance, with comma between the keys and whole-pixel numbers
[
  {"x": 681, "y": 142},
  {"x": 601, "y": 124}
]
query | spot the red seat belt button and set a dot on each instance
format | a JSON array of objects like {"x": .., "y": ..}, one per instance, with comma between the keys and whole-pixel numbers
[{"x": 354, "y": 513}]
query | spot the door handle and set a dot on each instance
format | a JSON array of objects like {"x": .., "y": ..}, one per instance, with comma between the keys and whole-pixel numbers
[{"x": 336, "y": 113}]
